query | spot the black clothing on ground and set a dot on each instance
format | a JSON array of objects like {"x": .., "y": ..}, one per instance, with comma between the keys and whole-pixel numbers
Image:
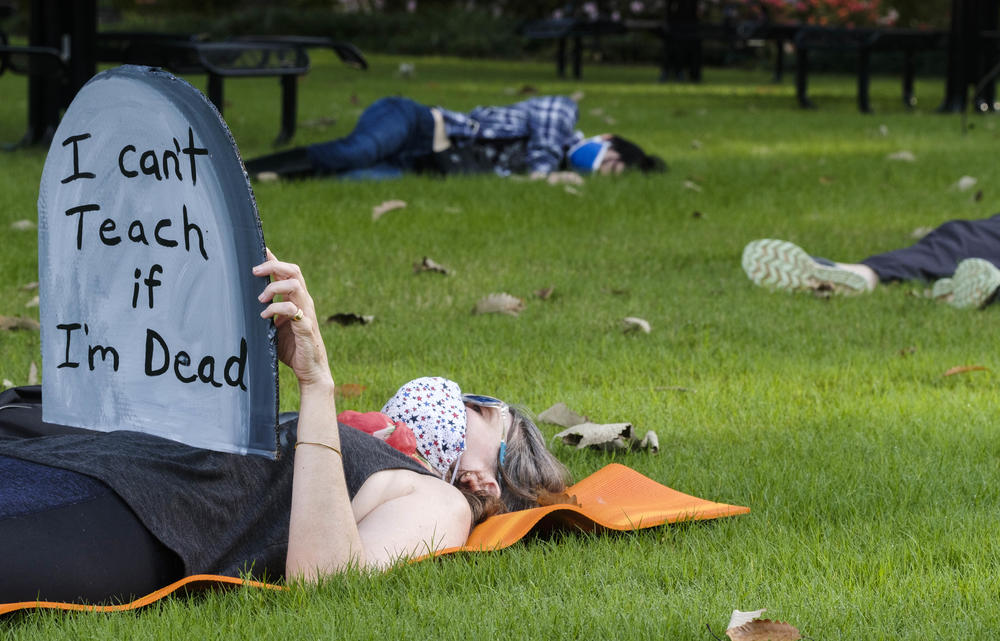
[
  {"x": 219, "y": 513},
  {"x": 937, "y": 254}
]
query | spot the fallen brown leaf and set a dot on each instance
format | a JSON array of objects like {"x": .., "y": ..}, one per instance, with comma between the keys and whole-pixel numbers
[
  {"x": 22, "y": 225},
  {"x": 527, "y": 89},
  {"x": 349, "y": 390},
  {"x": 962, "y": 369},
  {"x": 33, "y": 302},
  {"x": 11, "y": 323},
  {"x": 33, "y": 374},
  {"x": 552, "y": 498},
  {"x": 429, "y": 265},
  {"x": 561, "y": 414},
  {"x": 381, "y": 209},
  {"x": 349, "y": 318},
  {"x": 544, "y": 293},
  {"x": 29, "y": 287},
  {"x": 635, "y": 324},
  {"x": 764, "y": 630},
  {"x": 499, "y": 303}
]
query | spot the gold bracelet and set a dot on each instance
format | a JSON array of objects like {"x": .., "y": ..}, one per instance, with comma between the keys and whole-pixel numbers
[{"x": 329, "y": 447}]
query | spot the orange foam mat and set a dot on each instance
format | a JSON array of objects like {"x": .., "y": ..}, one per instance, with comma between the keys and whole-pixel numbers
[
  {"x": 613, "y": 498},
  {"x": 194, "y": 582}
]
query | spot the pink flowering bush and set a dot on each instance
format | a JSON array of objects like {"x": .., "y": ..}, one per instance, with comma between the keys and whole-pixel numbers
[{"x": 844, "y": 13}]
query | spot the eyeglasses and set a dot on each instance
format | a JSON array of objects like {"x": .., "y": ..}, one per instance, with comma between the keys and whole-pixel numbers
[{"x": 506, "y": 423}]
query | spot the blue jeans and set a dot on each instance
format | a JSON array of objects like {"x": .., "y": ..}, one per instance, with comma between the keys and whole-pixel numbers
[{"x": 391, "y": 134}]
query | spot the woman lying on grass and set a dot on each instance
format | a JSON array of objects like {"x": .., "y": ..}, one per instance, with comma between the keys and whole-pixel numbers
[{"x": 105, "y": 516}]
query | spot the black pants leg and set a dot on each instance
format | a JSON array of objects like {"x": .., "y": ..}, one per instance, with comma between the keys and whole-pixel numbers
[
  {"x": 938, "y": 253},
  {"x": 293, "y": 163},
  {"x": 84, "y": 545}
]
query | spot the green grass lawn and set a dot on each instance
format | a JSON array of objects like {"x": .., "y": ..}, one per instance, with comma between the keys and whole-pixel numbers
[{"x": 872, "y": 478}]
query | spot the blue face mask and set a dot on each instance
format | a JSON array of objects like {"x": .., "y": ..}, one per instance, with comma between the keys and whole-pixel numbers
[{"x": 586, "y": 155}]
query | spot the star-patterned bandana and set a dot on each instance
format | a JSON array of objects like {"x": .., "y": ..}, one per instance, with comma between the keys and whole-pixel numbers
[{"x": 432, "y": 407}]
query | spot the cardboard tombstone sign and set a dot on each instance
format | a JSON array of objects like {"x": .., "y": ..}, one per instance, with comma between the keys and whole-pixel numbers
[{"x": 148, "y": 231}]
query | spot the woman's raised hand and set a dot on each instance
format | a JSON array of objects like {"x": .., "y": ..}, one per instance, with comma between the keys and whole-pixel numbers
[{"x": 300, "y": 345}]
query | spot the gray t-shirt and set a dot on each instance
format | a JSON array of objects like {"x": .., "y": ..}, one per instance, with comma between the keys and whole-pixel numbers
[{"x": 221, "y": 513}]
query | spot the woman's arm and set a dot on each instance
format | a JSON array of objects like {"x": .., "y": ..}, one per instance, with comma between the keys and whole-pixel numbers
[{"x": 324, "y": 536}]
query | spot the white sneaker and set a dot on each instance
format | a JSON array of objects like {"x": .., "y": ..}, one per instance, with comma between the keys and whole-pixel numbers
[
  {"x": 973, "y": 285},
  {"x": 779, "y": 264}
]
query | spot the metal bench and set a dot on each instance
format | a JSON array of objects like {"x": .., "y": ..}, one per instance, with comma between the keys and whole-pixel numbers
[
  {"x": 863, "y": 42},
  {"x": 284, "y": 57}
]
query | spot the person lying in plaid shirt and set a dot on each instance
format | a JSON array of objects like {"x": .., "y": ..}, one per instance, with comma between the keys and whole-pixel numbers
[{"x": 395, "y": 135}]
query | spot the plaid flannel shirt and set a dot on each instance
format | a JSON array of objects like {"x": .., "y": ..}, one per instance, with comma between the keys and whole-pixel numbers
[{"x": 547, "y": 123}]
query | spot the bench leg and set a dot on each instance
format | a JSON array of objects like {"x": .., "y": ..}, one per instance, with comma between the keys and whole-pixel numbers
[
  {"x": 561, "y": 58},
  {"x": 802, "y": 78},
  {"x": 289, "y": 109},
  {"x": 779, "y": 60},
  {"x": 864, "y": 81},
  {"x": 577, "y": 57},
  {"x": 909, "y": 71},
  {"x": 215, "y": 91}
]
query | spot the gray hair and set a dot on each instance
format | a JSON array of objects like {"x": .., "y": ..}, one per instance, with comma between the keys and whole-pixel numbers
[{"x": 529, "y": 469}]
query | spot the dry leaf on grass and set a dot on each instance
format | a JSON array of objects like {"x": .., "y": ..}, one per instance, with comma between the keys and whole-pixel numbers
[
  {"x": 545, "y": 293},
  {"x": 33, "y": 374},
  {"x": 349, "y": 318},
  {"x": 10, "y": 323},
  {"x": 499, "y": 303},
  {"x": 920, "y": 232},
  {"x": 429, "y": 265},
  {"x": 7, "y": 383},
  {"x": 903, "y": 155},
  {"x": 576, "y": 96},
  {"x": 564, "y": 178},
  {"x": 349, "y": 390},
  {"x": 738, "y": 617},
  {"x": 29, "y": 287},
  {"x": 674, "y": 388},
  {"x": 22, "y": 225},
  {"x": 322, "y": 121},
  {"x": 381, "y": 209},
  {"x": 693, "y": 186},
  {"x": 551, "y": 498},
  {"x": 696, "y": 144},
  {"x": 572, "y": 191},
  {"x": 965, "y": 183},
  {"x": 608, "y": 436},
  {"x": 635, "y": 324},
  {"x": 33, "y": 302},
  {"x": 962, "y": 369},
  {"x": 764, "y": 630},
  {"x": 561, "y": 414}
]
